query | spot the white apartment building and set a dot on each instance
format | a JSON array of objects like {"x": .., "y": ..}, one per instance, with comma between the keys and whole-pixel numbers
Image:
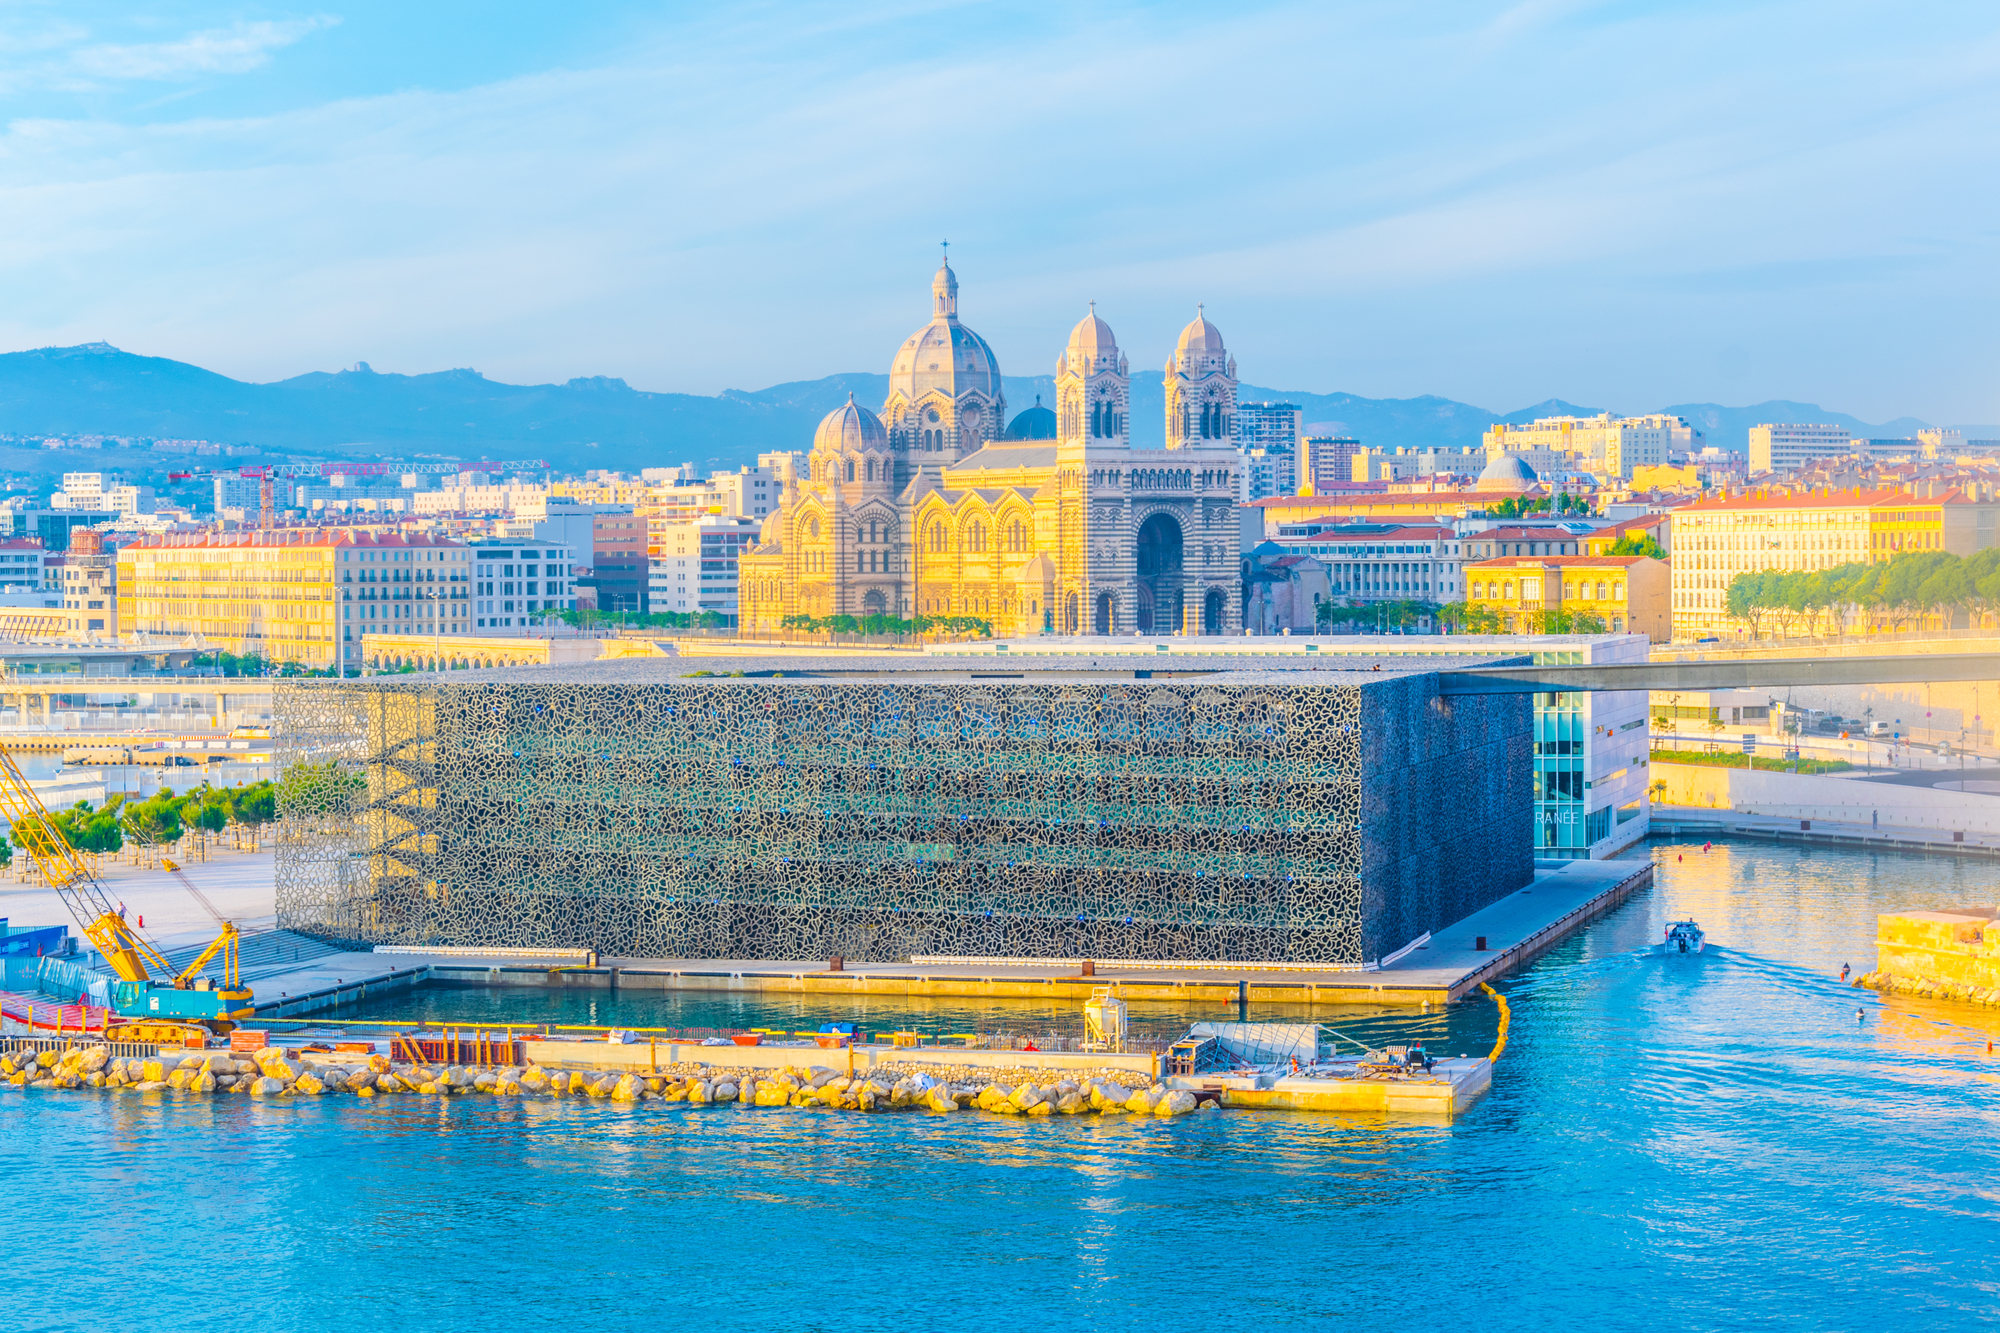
[
  {"x": 516, "y": 582},
  {"x": 692, "y": 562},
  {"x": 1602, "y": 445},
  {"x": 1782, "y": 446},
  {"x": 1266, "y": 474},
  {"x": 1273, "y": 426},
  {"x": 1380, "y": 562},
  {"x": 1409, "y": 464}
]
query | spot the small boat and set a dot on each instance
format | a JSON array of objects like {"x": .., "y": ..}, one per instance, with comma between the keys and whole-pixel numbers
[{"x": 1684, "y": 937}]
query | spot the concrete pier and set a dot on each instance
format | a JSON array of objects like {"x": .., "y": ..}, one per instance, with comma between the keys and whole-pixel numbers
[{"x": 1560, "y": 900}]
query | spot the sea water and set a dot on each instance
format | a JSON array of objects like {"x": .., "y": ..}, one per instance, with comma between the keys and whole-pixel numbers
[{"x": 1704, "y": 1142}]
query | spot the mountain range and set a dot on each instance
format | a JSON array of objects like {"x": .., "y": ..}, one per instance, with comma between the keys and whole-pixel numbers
[{"x": 599, "y": 422}]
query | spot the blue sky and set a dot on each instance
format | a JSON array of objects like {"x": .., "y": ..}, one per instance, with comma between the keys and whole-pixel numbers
[{"x": 1621, "y": 204}]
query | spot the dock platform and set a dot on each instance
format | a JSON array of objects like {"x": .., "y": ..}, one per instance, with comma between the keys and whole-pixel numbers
[{"x": 1558, "y": 901}]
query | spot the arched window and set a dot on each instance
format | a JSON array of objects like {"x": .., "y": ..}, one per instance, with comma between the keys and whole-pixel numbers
[
  {"x": 1096, "y": 415},
  {"x": 937, "y": 537},
  {"x": 976, "y": 536},
  {"x": 850, "y": 469},
  {"x": 812, "y": 526},
  {"x": 871, "y": 469}
]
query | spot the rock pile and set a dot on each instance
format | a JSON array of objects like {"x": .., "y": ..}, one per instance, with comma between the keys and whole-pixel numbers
[{"x": 276, "y": 1073}]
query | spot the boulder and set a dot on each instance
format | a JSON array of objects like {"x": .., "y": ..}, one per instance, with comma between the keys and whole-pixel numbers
[
  {"x": 309, "y": 1084},
  {"x": 939, "y": 1098},
  {"x": 1174, "y": 1103},
  {"x": 701, "y": 1094},
  {"x": 1141, "y": 1102},
  {"x": 94, "y": 1079},
  {"x": 1042, "y": 1108},
  {"x": 219, "y": 1064},
  {"x": 628, "y": 1088},
  {"x": 534, "y": 1079},
  {"x": 724, "y": 1091},
  {"x": 204, "y": 1082},
  {"x": 152, "y": 1085},
  {"x": 95, "y": 1058},
  {"x": 178, "y": 1079},
  {"x": 1026, "y": 1097},
  {"x": 278, "y": 1067},
  {"x": 266, "y": 1086},
  {"x": 1071, "y": 1103},
  {"x": 190, "y": 1062}
]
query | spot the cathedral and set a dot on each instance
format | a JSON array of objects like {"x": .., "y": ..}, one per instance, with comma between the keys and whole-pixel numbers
[{"x": 1051, "y": 523}]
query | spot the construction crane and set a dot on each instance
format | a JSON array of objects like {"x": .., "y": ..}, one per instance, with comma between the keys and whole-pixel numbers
[{"x": 147, "y": 986}]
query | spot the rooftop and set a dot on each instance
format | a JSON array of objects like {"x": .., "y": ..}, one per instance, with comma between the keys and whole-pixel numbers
[{"x": 911, "y": 668}]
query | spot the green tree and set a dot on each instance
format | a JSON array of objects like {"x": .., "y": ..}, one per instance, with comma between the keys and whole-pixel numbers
[{"x": 1638, "y": 543}]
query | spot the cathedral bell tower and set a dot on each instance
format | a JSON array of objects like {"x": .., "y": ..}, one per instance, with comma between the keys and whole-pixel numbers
[
  {"x": 1093, "y": 387},
  {"x": 1201, "y": 388}
]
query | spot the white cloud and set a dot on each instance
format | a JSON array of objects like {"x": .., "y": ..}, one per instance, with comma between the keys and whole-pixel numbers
[{"x": 234, "y": 50}]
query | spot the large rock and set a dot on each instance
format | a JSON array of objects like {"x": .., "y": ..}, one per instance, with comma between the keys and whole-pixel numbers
[
  {"x": 204, "y": 1081},
  {"x": 266, "y": 1086},
  {"x": 95, "y": 1058},
  {"x": 939, "y": 1098},
  {"x": 534, "y": 1079},
  {"x": 219, "y": 1064},
  {"x": 628, "y": 1088},
  {"x": 309, "y": 1084},
  {"x": 1175, "y": 1103}
]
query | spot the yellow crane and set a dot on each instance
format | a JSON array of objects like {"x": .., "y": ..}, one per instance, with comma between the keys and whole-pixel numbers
[{"x": 147, "y": 989}]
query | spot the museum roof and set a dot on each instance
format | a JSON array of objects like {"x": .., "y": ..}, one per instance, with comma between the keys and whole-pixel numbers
[{"x": 1223, "y": 668}]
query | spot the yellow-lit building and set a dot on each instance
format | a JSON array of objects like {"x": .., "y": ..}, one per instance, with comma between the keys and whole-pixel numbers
[
  {"x": 1627, "y": 592},
  {"x": 1715, "y": 540},
  {"x": 1053, "y": 523},
  {"x": 305, "y": 595}
]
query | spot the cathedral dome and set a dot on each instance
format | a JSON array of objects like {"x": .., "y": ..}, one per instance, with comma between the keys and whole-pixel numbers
[
  {"x": 1092, "y": 338},
  {"x": 850, "y": 429},
  {"x": 1507, "y": 473},
  {"x": 944, "y": 356},
  {"x": 1200, "y": 338},
  {"x": 1037, "y": 423}
]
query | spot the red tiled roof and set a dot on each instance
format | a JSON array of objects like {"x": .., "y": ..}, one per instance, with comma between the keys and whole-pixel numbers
[
  {"x": 1560, "y": 561},
  {"x": 281, "y": 537},
  {"x": 1856, "y": 498}
]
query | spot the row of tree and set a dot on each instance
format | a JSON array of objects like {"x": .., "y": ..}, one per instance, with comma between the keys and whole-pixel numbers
[
  {"x": 882, "y": 626},
  {"x": 1902, "y": 593},
  {"x": 160, "y": 820},
  {"x": 591, "y": 618}
]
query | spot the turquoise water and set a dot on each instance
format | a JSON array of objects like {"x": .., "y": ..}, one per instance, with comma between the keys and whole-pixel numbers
[{"x": 1700, "y": 1143}]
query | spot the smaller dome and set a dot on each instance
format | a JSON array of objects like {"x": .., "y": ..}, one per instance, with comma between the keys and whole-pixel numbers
[
  {"x": 1200, "y": 338},
  {"x": 850, "y": 428},
  {"x": 1507, "y": 472},
  {"x": 1092, "y": 337},
  {"x": 1037, "y": 423}
]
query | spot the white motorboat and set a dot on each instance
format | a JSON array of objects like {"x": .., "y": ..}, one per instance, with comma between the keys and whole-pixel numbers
[{"x": 1684, "y": 937}]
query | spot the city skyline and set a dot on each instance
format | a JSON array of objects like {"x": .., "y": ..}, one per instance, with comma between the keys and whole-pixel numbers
[{"x": 1386, "y": 205}]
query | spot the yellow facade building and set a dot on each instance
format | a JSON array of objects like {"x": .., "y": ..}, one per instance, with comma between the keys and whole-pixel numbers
[
  {"x": 1715, "y": 540},
  {"x": 305, "y": 595},
  {"x": 1628, "y": 593}
]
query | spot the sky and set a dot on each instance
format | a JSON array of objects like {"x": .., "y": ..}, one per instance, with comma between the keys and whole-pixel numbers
[{"x": 1620, "y": 204}]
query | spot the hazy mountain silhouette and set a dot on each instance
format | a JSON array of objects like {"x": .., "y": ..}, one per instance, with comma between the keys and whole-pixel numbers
[{"x": 603, "y": 422}]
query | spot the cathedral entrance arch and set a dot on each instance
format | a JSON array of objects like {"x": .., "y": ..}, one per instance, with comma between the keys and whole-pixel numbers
[
  {"x": 1213, "y": 608},
  {"x": 873, "y": 603},
  {"x": 1159, "y": 581}
]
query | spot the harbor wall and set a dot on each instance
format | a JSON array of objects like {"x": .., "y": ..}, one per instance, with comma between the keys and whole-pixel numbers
[
  {"x": 1952, "y": 953},
  {"x": 1842, "y": 800}
]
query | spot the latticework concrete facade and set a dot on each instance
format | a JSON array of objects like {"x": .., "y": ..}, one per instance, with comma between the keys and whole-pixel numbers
[{"x": 1249, "y": 815}]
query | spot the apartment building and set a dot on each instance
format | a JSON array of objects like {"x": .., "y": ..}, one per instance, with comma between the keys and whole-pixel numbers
[
  {"x": 1267, "y": 474},
  {"x": 89, "y": 575},
  {"x": 1409, "y": 464},
  {"x": 304, "y": 595},
  {"x": 1380, "y": 562},
  {"x": 1325, "y": 461},
  {"x": 1782, "y": 446},
  {"x": 1603, "y": 445},
  {"x": 619, "y": 563},
  {"x": 693, "y": 562},
  {"x": 517, "y": 584},
  {"x": 1717, "y": 539}
]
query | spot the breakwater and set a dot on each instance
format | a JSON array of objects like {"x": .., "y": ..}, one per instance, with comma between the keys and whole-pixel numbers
[{"x": 275, "y": 1072}]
